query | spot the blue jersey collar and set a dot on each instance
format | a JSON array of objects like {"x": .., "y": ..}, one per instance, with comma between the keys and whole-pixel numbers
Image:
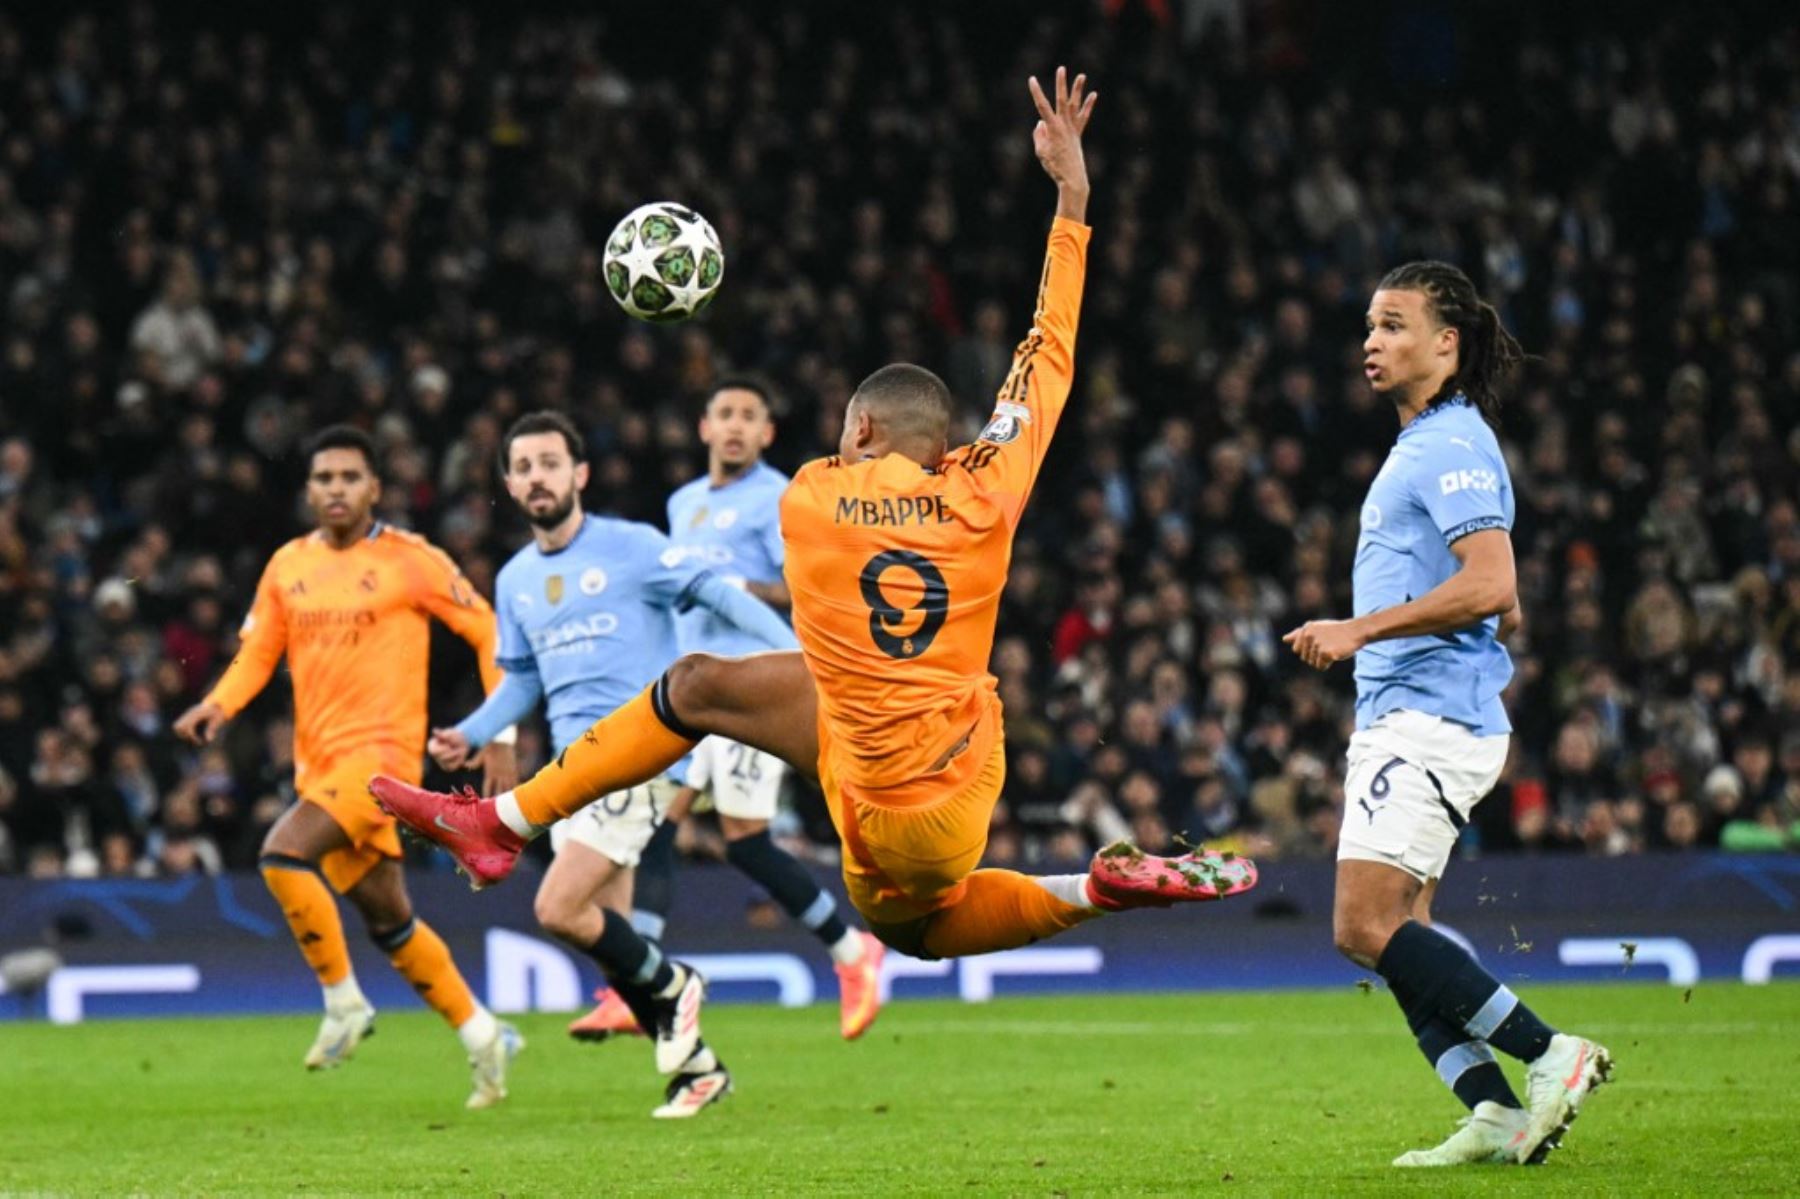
[
  {"x": 757, "y": 469},
  {"x": 580, "y": 532},
  {"x": 1459, "y": 400}
]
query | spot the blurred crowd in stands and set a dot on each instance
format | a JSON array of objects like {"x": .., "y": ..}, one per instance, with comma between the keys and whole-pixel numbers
[{"x": 217, "y": 238}]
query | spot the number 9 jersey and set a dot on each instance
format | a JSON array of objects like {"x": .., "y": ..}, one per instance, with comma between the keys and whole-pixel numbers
[{"x": 896, "y": 570}]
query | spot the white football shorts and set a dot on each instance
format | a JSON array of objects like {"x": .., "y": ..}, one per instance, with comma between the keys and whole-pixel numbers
[
  {"x": 618, "y": 826},
  {"x": 739, "y": 781},
  {"x": 1412, "y": 781}
]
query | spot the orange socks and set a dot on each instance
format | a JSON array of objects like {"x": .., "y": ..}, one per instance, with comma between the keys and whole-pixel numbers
[
  {"x": 631, "y": 746},
  {"x": 416, "y": 951},
  {"x": 312, "y": 916},
  {"x": 423, "y": 960},
  {"x": 1000, "y": 909}
]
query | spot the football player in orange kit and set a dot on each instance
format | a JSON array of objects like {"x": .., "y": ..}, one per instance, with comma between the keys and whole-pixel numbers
[
  {"x": 350, "y": 605},
  {"x": 897, "y": 553}
]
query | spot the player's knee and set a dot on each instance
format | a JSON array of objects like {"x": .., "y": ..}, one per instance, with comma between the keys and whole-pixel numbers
[
  {"x": 1347, "y": 938},
  {"x": 269, "y": 860},
  {"x": 746, "y": 841},
  {"x": 689, "y": 685},
  {"x": 556, "y": 915},
  {"x": 279, "y": 842},
  {"x": 381, "y": 913},
  {"x": 1361, "y": 935},
  {"x": 392, "y": 938}
]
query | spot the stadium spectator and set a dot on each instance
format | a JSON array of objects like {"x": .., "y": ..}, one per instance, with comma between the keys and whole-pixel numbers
[{"x": 215, "y": 239}]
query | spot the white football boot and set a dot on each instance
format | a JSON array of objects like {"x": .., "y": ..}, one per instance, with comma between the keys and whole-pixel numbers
[
  {"x": 1555, "y": 1087},
  {"x": 1491, "y": 1133},
  {"x": 678, "y": 1021},
  {"x": 340, "y": 1032},
  {"x": 703, "y": 1081},
  {"x": 489, "y": 1063}
]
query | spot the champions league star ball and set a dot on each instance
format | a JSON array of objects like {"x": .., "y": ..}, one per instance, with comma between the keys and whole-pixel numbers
[{"x": 664, "y": 263}]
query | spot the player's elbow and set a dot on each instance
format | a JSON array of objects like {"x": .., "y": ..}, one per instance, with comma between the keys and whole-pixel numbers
[
  {"x": 1501, "y": 597},
  {"x": 1491, "y": 592}
]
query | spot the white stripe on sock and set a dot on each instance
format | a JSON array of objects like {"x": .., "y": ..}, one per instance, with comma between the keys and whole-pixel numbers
[
  {"x": 506, "y": 806},
  {"x": 652, "y": 963},
  {"x": 847, "y": 948},
  {"x": 1070, "y": 888},
  {"x": 343, "y": 994},
  {"x": 1493, "y": 1013},
  {"x": 819, "y": 910},
  {"x": 479, "y": 1030},
  {"x": 1459, "y": 1059}
]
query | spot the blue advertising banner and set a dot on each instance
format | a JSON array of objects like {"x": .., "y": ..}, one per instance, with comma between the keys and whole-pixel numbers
[{"x": 218, "y": 944}]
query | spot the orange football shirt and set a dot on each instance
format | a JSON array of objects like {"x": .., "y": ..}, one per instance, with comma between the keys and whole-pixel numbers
[
  {"x": 355, "y": 626},
  {"x": 896, "y": 571}
]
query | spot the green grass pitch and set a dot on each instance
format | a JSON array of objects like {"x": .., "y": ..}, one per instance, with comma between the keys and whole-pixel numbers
[{"x": 1289, "y": 1094}]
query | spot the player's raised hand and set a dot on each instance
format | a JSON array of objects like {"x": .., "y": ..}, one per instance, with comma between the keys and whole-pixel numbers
[
  {"x": 1057, "y": 136},
  {"x": 200, "y": 723},
  {"x": 448, "y": 748}
]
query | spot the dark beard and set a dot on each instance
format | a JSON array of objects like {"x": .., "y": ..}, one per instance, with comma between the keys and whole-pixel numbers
[{"x": 554, "y": 516}]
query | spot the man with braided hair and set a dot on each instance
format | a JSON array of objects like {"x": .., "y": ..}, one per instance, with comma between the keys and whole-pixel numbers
[{"x": 1435, "y": 598}]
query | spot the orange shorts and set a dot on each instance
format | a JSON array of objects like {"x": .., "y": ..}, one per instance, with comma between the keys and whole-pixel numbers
[
  {"x": 904, "y": 861},
  {"x": 342, "y": 791}
]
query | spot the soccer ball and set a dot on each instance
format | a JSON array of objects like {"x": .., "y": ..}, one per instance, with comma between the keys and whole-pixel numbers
[{"x": 663, "y": 262}]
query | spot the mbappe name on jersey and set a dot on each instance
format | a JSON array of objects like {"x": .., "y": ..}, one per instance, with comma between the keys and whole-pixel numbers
[{"x": 893, "y": 511}]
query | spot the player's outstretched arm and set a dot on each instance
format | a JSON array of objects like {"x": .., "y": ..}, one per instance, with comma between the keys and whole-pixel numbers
[
  {"x": 1003, "y": 463},
  {"x": 742, "y": 610},
  {"x": 262, "y": 640},
  {"x": 506, "y": 705},
  {"x": 1057, "y": 140}
]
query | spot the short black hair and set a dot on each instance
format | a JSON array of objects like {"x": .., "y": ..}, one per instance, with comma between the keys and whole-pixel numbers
[
  {"x": 751, "y": 383},
  {"x": 909, "y": 401},
  {"x": 547, "y": 421},
  {"x": 343, "y": 437}
]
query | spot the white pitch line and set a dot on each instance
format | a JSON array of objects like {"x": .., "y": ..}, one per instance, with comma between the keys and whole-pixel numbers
[{"x": 1214, "y": 1028}]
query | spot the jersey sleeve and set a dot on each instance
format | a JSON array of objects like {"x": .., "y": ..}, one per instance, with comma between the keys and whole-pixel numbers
[
  {"x": 512, "y": 701},
  {"x": 770, "y": 537},
  {"x": 1004, "y": 461},
  {"x": 262, "y": 639},
  {"x": 1460, "y": 483},
  {"x": 442, "y": 591},
  {"x": 673, "y": 578},
  {"x": 514, "y": 648},
  {"x": 741, "y": 609}
]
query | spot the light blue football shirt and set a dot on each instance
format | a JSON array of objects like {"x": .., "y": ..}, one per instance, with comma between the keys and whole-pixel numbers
[
  {"x": 1444, "y": 479},
  {"x": 734, "y": 531},
  {"x": 594, "y": 620}
]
